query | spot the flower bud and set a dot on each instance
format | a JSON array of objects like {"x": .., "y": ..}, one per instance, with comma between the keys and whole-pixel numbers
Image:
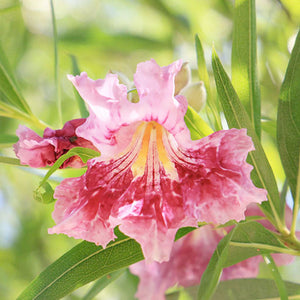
[
  {"x": 195, "y": 94},
  {"x": 182, "y": 78}
]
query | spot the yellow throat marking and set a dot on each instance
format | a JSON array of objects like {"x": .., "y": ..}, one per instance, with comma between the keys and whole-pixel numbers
[{"x": 153, "y": 137}]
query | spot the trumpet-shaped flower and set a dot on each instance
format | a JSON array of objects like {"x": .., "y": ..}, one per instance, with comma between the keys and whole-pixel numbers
[
  {"x": 37, "y": 151},
  {"x": 151, "y": 178}
]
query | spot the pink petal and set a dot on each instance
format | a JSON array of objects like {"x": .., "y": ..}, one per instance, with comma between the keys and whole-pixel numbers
[
  {"x": 33, "y": 150},
  {"x": 39, "y": 152},
  {"x": 214, "y": 176}
]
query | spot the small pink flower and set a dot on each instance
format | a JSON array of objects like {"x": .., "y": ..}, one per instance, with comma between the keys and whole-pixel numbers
[
  {"x": 37, "y": 151},
  {"x": 189, "y": 258},
  {"x": 151, "y": 178}
]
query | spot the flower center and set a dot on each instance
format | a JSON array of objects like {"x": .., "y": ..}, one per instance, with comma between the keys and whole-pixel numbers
[{"x": 152, "y": 150}]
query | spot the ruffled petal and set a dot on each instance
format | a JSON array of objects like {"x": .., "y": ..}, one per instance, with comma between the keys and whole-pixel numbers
[
  {"x": 214, "y": 175},
  {"x": 109, "y": 111},
  {"x": 33, "y": 150},
  {"x": 37, "y": 151}
]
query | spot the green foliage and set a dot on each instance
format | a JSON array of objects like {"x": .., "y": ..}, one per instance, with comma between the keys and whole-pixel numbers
[
  {"x": 277, "y": 277},
  {"x": 288, "y": 122},
  {"x": 245, "y": 240},
  {"x": 101, "y": 283},
  {"x": 81, "y": 104},
  {"x": 244, "y": 289},
  {"x": 252, "y": 288},
  {"x": 237, "y": 117},
  {"x": 244, "y": 73},
  {"x": 7, "y": 140},
  {"x": 10, "y": 161},
  {"x": 84, "y": 263},
  {"x": 197, "y": 126},
  {"x": 203, "y": 75}
]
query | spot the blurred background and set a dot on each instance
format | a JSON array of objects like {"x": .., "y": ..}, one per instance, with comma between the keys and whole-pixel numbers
[{"x": 113, "y": 35}]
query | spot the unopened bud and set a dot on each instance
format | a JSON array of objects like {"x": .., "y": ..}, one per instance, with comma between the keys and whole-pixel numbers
[
  {"x": 195, "y": 94},
  {"x": 133, "y": 96},
  {"x": 182, "y": 78}
]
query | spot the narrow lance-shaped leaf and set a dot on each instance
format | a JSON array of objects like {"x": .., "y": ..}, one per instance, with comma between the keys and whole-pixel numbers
[
  {"x": 101, "y": 283},
  {"x": 10, "y": 161},
  {"x": 245, "y": 240},
  {"x": 84, "y": 263},
  {"x": 254, "y": 288},
  {"x": 197, "y": 126},
  {"x": 56, "y": 71},
  {"x": 244, "y": 289},
  {"x": 244, "y": 73},
  {"x": 8, "y": 87},
  {"x": 211, "y": 275},
  {"x": 203, "y": 75},
  {"x": 81, "y": 104},
  {"x": 288, "y": 121},
  {"x": 237, "y": 117},
  {"x": 277, "y": 277},
  {"x": 7, "y": 140}
]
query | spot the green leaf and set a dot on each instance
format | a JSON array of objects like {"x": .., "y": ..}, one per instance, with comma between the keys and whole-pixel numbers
[
  {"x": 44, "y": 193},
  {"x": 56, "y": 71},
  {"x": 245, "y": 289},
  {"x": 10, "y": 161},
  {"x": 244, "y": 71},
  {"x": 197, "y": 126},
  {"x": 211, "y": 275},
  {"x": 183, "y": 231},
  {"x": 237, "y": 117},
  {"x": 7, "y": 140},
  {"x": 84, "y": 263},
  {"x": 84, "y": 153},
  {"x": 277, "y": 277},
  {"x": 245, "y": 240},
  {"x": 9, "y": 88},
  {"x": 253, "y": 288},
  {"x": 288, "y": 123},
  {"x": 252, "y": 239},
  {"x": 101, "y": 283},
  {"x": 81, "y": 104},
  {"x": 203, "y": 75},
  {"x": 201, "y": 63}
]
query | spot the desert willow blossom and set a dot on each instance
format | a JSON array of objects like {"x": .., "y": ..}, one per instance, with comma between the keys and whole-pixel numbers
[{"x": 151, "y": 178}]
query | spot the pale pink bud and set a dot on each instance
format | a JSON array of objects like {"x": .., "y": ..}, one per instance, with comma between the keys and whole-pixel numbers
[
  {"x": 195, "y": 94},
  {"x": 183, "y": 77}
]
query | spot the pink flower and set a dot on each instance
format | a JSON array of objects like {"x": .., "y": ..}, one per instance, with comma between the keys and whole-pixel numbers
[
  {"x": 151, "y": 178},
  {"x": 189, "y": 258},
  {"x": 37, "y": 151}
]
